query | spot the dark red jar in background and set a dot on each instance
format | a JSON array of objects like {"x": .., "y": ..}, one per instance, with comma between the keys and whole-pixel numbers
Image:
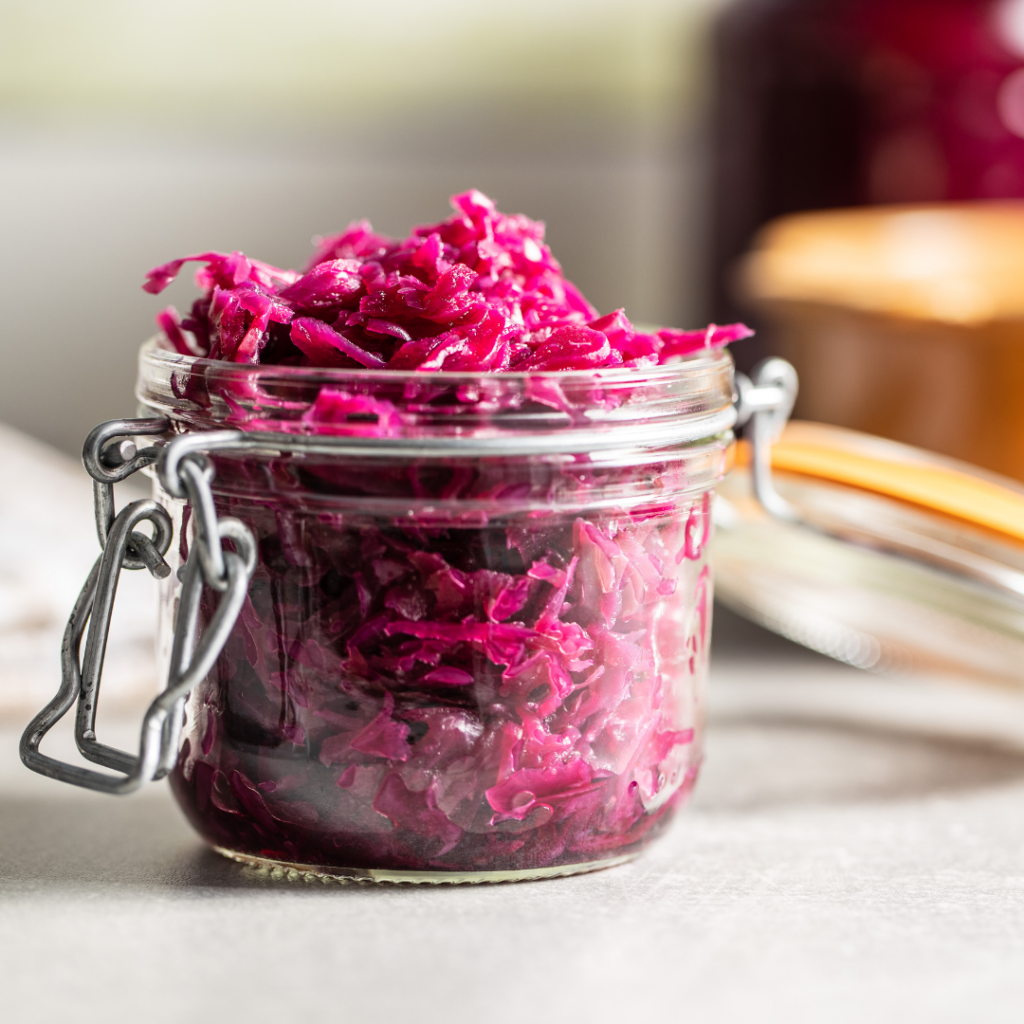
[{"x": 831, "y": 103}]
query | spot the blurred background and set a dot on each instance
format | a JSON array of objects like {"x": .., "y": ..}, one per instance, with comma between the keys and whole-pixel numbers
[
  {"x": 132, "y": 132},
  {"x": 655, "y": 138}
]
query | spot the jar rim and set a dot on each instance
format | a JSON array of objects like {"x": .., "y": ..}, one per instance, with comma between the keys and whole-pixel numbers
[{"x": 473, "y": 414}]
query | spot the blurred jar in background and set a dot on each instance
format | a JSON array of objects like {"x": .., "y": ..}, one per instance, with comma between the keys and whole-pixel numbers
[{"x": 834, "y": 103}]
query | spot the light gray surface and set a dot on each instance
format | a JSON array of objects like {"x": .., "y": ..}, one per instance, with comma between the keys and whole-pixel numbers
[{"x": 855, "y": 852}]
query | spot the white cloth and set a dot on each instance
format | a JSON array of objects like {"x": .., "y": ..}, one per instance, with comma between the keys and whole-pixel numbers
[{"x": 47, "y": 546}]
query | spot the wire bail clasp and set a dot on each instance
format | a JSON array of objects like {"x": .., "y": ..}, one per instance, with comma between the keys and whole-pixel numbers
[
  {"x": 111, "y": 455},
  {"x": 767, "y": 402}
]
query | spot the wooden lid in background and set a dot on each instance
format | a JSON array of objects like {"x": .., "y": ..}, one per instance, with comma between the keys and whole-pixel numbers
[{"x": 957, "y": 263}]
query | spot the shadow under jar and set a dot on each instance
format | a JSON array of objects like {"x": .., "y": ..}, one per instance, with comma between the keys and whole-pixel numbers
[{"x": 475, "y": 644}]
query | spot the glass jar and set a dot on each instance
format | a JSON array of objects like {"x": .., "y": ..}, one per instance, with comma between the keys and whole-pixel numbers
[{"x": 475, "y": 644}]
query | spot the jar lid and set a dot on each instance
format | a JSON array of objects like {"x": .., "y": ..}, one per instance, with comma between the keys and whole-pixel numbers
[
  {"x": 902, "y": 560},
  {"x": 958, "y": 263},
  {"x": 901, "y": 472}
]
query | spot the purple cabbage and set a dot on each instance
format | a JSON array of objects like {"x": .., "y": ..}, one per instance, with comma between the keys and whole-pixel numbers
[
  {"x": 499, "y": 696},
  {"x": 477, "y": 292},
  {"x": 506, "y": 675}
]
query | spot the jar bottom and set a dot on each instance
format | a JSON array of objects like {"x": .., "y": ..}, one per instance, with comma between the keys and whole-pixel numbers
[{"x": 281, "y": 869}]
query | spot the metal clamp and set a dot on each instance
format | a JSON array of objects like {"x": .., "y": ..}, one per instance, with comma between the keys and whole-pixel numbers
[
  {"x": 110, "y": 455},
  {"x": 767, "y": 402}
]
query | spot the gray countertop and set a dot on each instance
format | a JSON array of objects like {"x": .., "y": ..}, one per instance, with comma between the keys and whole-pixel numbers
[{"x": 854, "y": 851}]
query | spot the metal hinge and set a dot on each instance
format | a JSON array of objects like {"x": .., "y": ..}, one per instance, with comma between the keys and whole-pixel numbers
[{"x": 111, "y": 455}]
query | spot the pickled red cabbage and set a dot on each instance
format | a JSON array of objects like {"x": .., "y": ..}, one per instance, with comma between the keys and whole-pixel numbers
[
  {"x": 477, "y": 292},
  {"x": 504, "y": 676}
]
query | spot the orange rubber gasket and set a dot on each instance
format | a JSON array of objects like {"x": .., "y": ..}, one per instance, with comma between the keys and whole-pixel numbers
[{"x": 841, "y": 456}]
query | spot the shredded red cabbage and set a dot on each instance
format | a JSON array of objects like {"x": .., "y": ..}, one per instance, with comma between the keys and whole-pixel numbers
[
  {"x": 477, "y": 292},
  {"x": 503, "y": 676}
]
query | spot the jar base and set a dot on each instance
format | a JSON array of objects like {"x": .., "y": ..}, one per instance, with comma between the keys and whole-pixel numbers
[{"x": 280, "y": 869}]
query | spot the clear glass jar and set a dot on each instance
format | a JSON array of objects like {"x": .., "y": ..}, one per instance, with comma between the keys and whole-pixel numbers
[{"x": 475, "y": 645}]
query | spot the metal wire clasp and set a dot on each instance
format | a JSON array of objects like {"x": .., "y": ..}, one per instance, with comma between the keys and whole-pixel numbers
[
  {"x": 111, "y": 455},
  {"x": 767, "y": 402}
]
